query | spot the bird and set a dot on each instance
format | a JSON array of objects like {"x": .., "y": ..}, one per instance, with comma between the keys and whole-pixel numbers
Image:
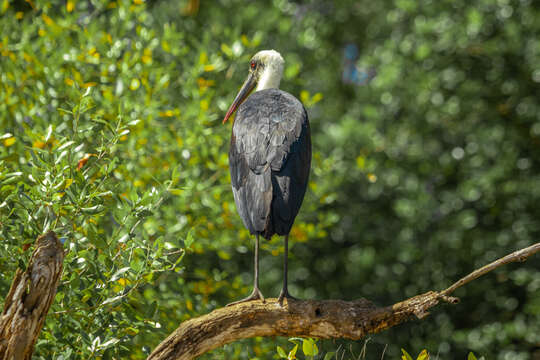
[{"x": 269, "y": 158}]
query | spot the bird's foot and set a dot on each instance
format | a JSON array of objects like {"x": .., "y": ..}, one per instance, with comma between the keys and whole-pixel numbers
[
  {"x": 255, "y": 295},
  {"x": 285, "y": 295}
]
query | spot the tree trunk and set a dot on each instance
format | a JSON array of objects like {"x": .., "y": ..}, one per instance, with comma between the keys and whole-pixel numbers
[{"x": 29, "y": 299}]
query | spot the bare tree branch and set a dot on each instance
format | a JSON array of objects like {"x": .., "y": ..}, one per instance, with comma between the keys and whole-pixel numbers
[
  {"x": 516, "y": 256},
  {"x": 29, "y": 299},
  {"x": 324, "y": 319}
]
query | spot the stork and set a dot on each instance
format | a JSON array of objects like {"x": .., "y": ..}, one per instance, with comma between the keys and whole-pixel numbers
[{"x": 269, "y": 157}]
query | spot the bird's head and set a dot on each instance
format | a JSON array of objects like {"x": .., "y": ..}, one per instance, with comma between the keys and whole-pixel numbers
[{"x": 265, "y": 71}]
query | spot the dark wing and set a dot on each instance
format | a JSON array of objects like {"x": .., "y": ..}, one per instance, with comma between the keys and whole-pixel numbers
[
  {"x": 290, "y": 182},
  {"x": 269, "y": 160},
  {"x": 252, "y": 190}
]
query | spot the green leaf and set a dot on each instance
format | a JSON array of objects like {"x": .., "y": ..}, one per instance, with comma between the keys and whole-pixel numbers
[
  {"x": 105, "y": 193},
  {"x": 109, "y": 343},
  {"x": 5, "y": 136},
  {"x": 86, "y": 297},
  {"x": 92, "y": 209},
  {"x": 112, "y": 300},
  {"x": 189, "y": 239},
  {"x": 329, "y": 355},
  {"x": 178, "y": 260},
  {"x": 87, "y": 92},
  {"x": 118, "y": 274},
  {"x": 59, "y": 158},
  {"x": 144, "y": 213},
  {"x": 68, "y": 353},
  {"x": 471, "y": 356},
  {"x": 65, "y": 145},
  {"x": 136, "y": 264},
  {"x": 152, "y": 309},
  {"x": 309, "y": 347},
  {"x": 226, "y": 49},
  {"x": 281, "y": 352},
  {"x": 104, "y": 122},
  {"x": 296, "y": 340},
  {"x": 405, "y": 355},
  {"x": 424, "y": 355},
  {"x": 11, "y": 178},
  {"x": 49, "y": 133},
  {"x": 292, "y": 353},
  {"x": 65, "y": 111}
]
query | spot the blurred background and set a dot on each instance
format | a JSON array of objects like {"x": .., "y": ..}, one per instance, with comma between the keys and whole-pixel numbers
[{"x": 426, "y": 136}]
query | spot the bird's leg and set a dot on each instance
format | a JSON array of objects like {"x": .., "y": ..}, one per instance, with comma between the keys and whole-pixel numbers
[
  {"x": 256, "y": 293},
  {"x": 285, "y": 291},
  {"x": 256, "y": 290}
]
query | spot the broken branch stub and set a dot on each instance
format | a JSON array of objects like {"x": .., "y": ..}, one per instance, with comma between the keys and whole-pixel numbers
[{"x": 29, "y": 299}]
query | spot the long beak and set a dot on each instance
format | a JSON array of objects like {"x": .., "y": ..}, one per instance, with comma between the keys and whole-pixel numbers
[{"x": 246, "y": 89}]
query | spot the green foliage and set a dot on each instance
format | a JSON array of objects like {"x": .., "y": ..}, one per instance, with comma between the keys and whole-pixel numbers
[
  {"x": 405, "y": 355},
  {"x": 424, "y": 355},
  {"x": 281, "y": 352},
  {"x": 110, "y": 135},
  {"x": 309, "y": 349},
  {"x": 290, "y": 356},
  {"x": 68, "y": 180}
]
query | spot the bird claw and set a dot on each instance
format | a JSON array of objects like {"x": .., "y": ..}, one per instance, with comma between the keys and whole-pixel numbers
[
  {"x": 255, "y": 295},
  {"x": 285, "y": 295}
]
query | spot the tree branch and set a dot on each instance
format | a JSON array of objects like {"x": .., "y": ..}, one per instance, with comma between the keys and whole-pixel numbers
[
  {"x": 29, "y": 299},
  {"x": 325, "y": 319},
  {"x": 516, "y": 256}
]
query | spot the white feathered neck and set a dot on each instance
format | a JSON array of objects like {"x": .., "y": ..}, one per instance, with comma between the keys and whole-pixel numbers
[{"x": 273, "y": 69}]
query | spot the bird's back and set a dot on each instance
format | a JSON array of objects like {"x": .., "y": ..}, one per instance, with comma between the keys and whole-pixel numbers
[{"x": 269, "y": 160}]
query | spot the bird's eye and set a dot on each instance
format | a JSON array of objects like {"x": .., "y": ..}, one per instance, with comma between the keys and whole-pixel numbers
[{"x": 253, "y": 65}]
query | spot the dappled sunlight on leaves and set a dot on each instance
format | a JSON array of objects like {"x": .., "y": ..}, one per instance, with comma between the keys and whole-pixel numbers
[{"x": 112, "y": 136}]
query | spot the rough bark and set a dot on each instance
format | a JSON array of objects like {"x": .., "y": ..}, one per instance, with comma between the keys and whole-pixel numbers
[
  {"x": 29, "y": 299},
  {"x": 307, "y": 318}
]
